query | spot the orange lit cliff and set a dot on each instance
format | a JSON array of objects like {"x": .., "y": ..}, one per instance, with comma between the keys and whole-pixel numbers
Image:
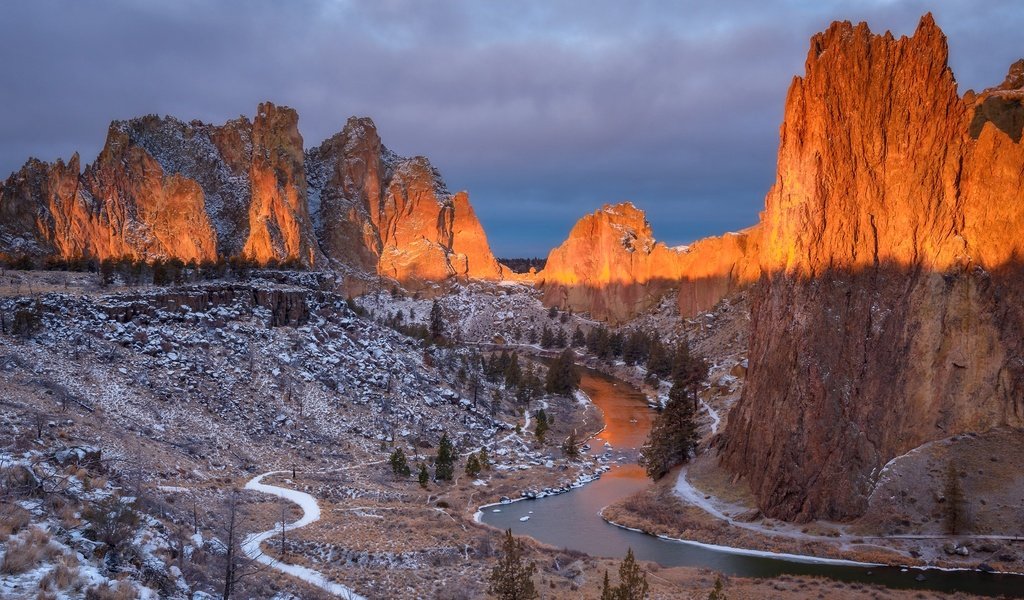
[{"x": 892, "y": 310}]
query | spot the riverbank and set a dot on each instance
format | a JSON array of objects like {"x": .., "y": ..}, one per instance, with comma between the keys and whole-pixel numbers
[{"x": 702, "y": 504}]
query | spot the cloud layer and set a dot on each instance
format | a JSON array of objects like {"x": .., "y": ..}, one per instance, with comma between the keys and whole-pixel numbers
[{"x": 542, "y": 110}]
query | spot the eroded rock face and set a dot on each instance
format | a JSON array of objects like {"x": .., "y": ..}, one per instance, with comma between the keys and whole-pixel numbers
[
  {"x": 279, "y": 223},
  {"x": 162, "y": 188},
  {"x": 612, "y": 267},
  {"x": 891, "y": 314},
  {"x": 394, "y": 213}
]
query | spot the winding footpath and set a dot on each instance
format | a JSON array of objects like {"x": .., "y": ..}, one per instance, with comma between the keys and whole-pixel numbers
[{"x": 310, "y": 514}]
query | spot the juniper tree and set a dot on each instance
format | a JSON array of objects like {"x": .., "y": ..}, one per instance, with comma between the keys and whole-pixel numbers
[
  {"x": 562, "y": 377},
  {"x": 444, "y": 466},
  {"x": 542, "y": 425},
  {"x": 578, "y": 339},
  {"x": 570, "y": 447},
  {"x": 436, "y": 322},
  {"x": 399, "y": 464},
  {"x": 473, "y": 467},
  {"x": 424, "y": 476},
  {"x": 512, "y": 577}
]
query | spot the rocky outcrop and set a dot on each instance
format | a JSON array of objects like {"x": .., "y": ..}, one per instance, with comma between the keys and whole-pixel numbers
[
  {"x": 891, "y": 312},
  {"x": 395, "y": 214},
  {"x": 162, "y": 188},
  {"x": 279, "y": 224},
  {"x": 612, "y": 267}
]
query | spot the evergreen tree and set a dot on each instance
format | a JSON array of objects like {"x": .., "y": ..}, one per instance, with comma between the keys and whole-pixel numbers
[
  {"x": 632, "y": 579},
  {"x": 636, "y": 347},
  {"x": 513, "y": 374},
  {"x": 444, "y": 466},
  {"x": 512, "y": 577},
  {"x": 570, "y": 447},
  {"x": 560, "y": 339},
  {"x": 485, "y": 459},
  {"x": 615, "y": 342},
  {"x": 691, "y": 368},
  {"x": 673, "y": 434},
  {"x": 547, "y": 339},
  {"x": 399, "y": 465},
  {"x": 424, "y": 476},
  {"x": 436, "y": 322},
  {"x": 717, "y": 593},
  {"x": 578, "y": 339},
  {"x": 473, "y": 467},
  {"x": 562, "y": 376},
  {"x": 659, "y": 361},
  {"x": 607, "y": 591},
  {"x": 542, "y": 425}
]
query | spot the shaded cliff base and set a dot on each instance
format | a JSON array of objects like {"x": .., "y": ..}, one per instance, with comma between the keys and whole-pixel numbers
[{"x": 906, "y": 522}]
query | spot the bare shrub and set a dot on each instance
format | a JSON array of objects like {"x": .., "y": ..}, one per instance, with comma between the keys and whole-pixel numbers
[
  {"x": 24, "y": 553},
  {"x": 119, "y": 590},
  {"x": 63, "y": 576},
  {"x": 13, "y": 519}
]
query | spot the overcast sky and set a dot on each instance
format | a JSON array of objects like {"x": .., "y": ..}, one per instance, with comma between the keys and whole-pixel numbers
[{"x": 542, "y": 110}]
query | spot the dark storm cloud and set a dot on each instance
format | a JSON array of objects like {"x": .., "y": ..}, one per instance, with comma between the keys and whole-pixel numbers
[{"x": 543, "y": 110}]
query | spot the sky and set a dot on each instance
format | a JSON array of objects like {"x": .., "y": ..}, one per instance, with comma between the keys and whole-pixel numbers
[{"x": 542, "y": 110}]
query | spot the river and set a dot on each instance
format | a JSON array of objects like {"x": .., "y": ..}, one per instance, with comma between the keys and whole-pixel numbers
[{"x": 572, "y": 520}]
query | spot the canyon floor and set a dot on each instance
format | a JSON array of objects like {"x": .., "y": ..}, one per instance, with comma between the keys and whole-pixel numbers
[{"x": 133, "y": 416}]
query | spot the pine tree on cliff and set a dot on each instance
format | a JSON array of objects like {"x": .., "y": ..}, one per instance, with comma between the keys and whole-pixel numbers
[
  {"x": 562, "y": 377},
  {"x": 673, "y": 435},
  {"x": 436, "y": 322},
  {"x": 512, "y": 577},
  {"x": 444, "y": 466}
]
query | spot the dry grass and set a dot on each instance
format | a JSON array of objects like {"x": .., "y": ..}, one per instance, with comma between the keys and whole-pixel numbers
[
  {"x": 26, "y": 552},
  {"x": 13, "y": 519},
  {"x": 63, "y": 576},
  {"x": 122, "y": 590}
]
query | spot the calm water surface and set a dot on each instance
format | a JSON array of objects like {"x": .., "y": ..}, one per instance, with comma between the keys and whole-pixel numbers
[{"x": 571, "y": 520}]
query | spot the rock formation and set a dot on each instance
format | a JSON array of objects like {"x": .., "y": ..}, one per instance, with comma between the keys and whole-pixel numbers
[
  {"x": 611, "y": 267},
  {"x": 162, "y": 188},
  {"x": 395, "y": 214},
  {"x": 891, "y": 313}
]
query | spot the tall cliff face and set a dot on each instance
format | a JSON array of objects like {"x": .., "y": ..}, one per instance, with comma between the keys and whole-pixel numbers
[
  {"x": 163, "y": 188},
  {"x": 279, "y": 223},
  {"x": 611, "y": 267},
  {"x": 394, "y": 213},
  {"x": 891, "y": 314}
]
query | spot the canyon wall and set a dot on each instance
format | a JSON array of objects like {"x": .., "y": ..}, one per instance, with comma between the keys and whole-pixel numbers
[
  {"x": 162, "y": 188},
  {"x": 612, "y": 267},
  {"x": 891, "y": 311}
]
